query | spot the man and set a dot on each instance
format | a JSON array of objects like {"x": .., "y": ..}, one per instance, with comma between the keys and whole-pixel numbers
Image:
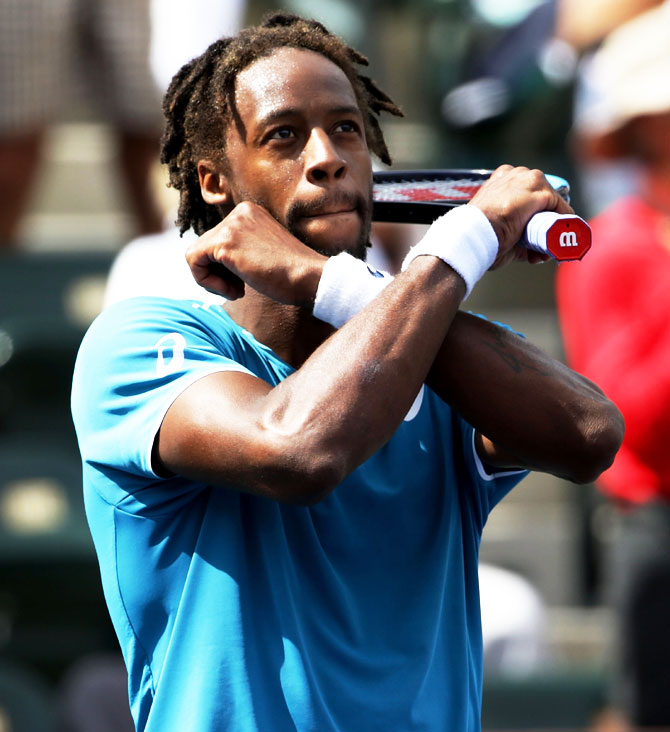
[
  {"x": 614, "y": 318},
  {"x": 287, "y": 520}
]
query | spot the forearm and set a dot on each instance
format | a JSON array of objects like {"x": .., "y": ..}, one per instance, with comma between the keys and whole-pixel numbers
[
  {"x": 533, "y": 411},
  {"x": 349, "y": 397},
  {"x": 298, "y": 440}
]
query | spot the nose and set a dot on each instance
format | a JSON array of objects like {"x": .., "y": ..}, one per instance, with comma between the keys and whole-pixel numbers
[{"x": 322, "y": 159}]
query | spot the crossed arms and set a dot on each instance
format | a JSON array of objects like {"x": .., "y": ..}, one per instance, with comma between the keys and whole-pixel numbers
[{"x": 297, "y": 441}]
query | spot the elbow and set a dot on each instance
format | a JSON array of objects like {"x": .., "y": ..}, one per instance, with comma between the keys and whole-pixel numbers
[
  {"x": 601, "y": 437},
  {"x": 306, "y": 481},
  {"x": 309, "y": 487},
  {"x": 302, "y": 462}
]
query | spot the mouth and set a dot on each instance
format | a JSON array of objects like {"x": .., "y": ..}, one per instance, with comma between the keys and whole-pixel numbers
[
  {"x": 333, "y": 222},
  {"x": 336, "y": 203},
  {"x": 331, "y": 212}
]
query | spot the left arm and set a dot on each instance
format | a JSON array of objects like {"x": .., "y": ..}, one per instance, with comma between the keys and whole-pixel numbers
[{"x": 529, "y": 410}]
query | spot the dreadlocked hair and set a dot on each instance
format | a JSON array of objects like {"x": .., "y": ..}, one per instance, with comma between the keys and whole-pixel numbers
[{"x": 199, "y": 103}]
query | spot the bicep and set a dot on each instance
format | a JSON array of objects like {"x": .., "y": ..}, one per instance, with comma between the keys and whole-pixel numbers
[
  {"x": 223, "y": 430},
  {"x": 211, "y": 431}
]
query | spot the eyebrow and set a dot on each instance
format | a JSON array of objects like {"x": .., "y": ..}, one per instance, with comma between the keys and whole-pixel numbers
[{"x": 275, "y": 116}]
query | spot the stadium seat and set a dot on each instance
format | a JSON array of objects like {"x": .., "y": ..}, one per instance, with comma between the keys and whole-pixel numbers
[
  {"x": 47, "y": 300},
  {"x": 41, "y": 503},
  {"x": 36, "y": 361},
  {"x": 51, "y": 595},
  {"x": 67, "y": 285}
]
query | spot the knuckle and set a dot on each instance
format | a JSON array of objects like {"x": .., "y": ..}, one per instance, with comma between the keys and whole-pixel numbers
[
  {"x": 193, "y": 251},
  {"x": 538, "y": 177}
]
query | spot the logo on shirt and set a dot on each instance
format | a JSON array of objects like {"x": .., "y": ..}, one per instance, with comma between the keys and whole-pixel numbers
[{"x": 170, "y": 356}]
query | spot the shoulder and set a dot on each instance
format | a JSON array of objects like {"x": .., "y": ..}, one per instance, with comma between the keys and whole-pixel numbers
[
  {"x": 138, "y": 316},
  {"x": 136, "y": 359},
  {"x": 131, "y": 338}
]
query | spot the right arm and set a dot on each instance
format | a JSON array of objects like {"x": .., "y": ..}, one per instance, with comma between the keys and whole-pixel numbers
[{"x": 297, "y": 441}]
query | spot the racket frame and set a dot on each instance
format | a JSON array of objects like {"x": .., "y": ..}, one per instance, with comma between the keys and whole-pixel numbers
[{"x": 426, "y": 211}]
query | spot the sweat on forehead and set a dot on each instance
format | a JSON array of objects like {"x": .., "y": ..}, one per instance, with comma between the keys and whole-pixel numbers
[{"x": 197, "y": 106}]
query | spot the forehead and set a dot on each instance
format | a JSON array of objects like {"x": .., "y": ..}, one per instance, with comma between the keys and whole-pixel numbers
[{"x": 291, "y": 79}]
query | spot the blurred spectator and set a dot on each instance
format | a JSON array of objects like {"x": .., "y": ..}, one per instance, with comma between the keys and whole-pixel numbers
[
  {"x": 613, "y": 309},
  {"x": 48, "y": 50},
  {"x": 600, "y": 178}
]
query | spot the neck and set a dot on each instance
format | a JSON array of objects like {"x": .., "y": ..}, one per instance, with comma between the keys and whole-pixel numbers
[{"x": 292, "y": 332}]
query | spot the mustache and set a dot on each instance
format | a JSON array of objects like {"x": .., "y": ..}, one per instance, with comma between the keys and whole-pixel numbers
[{"x": 339, "y": 199}]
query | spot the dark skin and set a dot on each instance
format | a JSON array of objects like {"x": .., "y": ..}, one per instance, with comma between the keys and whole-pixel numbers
[{"x": 302, "y": 139}]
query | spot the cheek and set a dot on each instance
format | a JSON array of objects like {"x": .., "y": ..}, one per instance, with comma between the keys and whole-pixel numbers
[{"x": 275, "y": 187}]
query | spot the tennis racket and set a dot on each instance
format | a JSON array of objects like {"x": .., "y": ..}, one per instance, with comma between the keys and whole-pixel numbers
[{"x": 420, "y": 196}]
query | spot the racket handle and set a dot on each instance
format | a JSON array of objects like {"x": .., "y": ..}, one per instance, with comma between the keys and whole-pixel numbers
[{"x": 565, "y": 237}]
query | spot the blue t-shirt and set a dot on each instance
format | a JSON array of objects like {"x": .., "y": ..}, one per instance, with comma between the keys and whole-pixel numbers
[{"x": 238, "y": 613}]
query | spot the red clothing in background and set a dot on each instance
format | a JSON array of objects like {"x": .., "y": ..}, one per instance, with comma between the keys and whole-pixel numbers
[{"x": 614, "y": 310}]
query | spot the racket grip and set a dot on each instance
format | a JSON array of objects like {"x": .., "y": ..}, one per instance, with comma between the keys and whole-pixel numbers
[{"x": 565, "y": 237}]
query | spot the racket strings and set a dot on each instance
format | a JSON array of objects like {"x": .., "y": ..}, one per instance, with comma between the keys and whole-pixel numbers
[{"x": 457, "y": 190}]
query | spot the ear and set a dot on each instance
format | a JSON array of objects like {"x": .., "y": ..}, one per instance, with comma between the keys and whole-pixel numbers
[{"x": 214, "y": 184}]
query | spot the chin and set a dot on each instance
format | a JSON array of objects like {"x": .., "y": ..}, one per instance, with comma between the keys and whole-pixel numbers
[
  {"x": 330, "y": 247},
  {"x": 358, "y": 249}
]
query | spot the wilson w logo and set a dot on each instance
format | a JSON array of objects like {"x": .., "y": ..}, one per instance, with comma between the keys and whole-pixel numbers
[{"x": 567, "y": 239}]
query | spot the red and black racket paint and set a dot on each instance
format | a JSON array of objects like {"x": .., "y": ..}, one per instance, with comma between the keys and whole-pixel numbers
[{"x": 420, "y": 196}]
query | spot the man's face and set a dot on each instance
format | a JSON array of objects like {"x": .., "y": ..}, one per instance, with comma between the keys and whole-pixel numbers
[{"x": 298, "y": 148}]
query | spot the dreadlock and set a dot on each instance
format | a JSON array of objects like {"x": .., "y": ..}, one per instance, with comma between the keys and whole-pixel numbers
[{"x": 199, "y": 103}]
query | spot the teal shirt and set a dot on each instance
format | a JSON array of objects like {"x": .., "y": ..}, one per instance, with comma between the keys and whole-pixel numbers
[{"x": 237, "y": 613}]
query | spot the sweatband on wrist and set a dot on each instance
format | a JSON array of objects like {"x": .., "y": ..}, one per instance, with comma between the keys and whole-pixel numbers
[
  {"x": 464, "y": 239},
  {"x": 346, "y": 286}
]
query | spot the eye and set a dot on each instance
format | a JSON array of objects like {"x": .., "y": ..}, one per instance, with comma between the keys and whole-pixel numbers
[
  {"x": 281, "y": 133},
  {"x": 347, "y": 126}
]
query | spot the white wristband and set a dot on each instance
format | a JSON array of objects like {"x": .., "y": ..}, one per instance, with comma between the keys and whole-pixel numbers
[
  {"x": 346, "y": 286},
  {"x": 464, "y": 239}
]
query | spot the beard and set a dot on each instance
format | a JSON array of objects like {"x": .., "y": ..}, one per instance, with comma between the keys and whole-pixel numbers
[{"x": 359, "y": 203}]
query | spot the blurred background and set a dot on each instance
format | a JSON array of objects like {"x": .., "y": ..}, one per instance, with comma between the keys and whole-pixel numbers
[{"x": 481, "y": 82}]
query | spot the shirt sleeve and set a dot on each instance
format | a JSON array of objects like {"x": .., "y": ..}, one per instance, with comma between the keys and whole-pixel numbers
[
  {"x": 136, "y": 359},
  {"x": 495, "y": 484}
]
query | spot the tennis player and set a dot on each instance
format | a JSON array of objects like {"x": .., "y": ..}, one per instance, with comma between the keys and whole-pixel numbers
[{"x": 287, "y": 494}]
